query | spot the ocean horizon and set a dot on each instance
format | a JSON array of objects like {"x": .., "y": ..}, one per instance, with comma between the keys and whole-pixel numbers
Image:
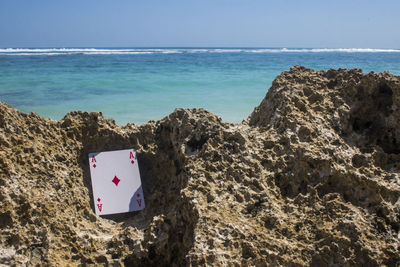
[{"x": 135, "y": 85}]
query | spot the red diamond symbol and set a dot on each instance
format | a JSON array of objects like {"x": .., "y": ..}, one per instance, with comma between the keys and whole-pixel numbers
[
  {"x": 116, "y": 180},
  {"x": 98, "y": 200},
  {"x": 138, "y": 195},
  {"x": 94, "y": 165},
  {"x": 132, "y": 161}
]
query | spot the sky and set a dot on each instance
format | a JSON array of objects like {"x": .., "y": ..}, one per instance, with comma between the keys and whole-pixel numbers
[{"x": 205, "y": 23}]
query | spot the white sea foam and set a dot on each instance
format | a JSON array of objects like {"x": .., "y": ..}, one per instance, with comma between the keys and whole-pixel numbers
[
  {"x": 322, "y": 50},
  {"x": 202, "y": 50},
  {"x": 225, "y": 50},
  {"x": 140, "y": 51},
  {"x": 85, "y": 51},
  {"x": 76, "y": 53},
  {"x": 345, "y": 50}
]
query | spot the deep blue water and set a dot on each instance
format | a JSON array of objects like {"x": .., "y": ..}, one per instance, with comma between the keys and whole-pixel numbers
[{"x": 137, "y": 85}]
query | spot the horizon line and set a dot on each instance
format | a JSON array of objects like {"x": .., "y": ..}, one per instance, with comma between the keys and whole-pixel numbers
[{"x": 188, "y": 47}]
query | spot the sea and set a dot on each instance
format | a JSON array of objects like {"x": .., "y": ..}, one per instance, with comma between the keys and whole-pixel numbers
[{"x": 135, "y": 85}]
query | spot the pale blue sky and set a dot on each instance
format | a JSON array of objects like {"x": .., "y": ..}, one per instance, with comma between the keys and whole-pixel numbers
[{"x": 250, "y": 23}]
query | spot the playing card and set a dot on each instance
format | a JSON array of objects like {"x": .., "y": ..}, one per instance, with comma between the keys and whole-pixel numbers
[{"x": 116, "y": 182}]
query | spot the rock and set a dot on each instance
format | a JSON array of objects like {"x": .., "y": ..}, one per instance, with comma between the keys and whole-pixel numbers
[{"x": 310, "y": 178}]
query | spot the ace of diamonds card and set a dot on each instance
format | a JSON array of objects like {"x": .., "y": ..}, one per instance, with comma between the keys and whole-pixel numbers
[{"x": 116, "y": 182}]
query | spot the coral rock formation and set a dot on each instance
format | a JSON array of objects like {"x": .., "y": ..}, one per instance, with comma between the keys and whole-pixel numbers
[{"x": 311, "y": 178}]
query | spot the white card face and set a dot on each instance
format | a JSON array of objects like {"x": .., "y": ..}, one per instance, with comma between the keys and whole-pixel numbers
[{"x": 116, "y": 182}]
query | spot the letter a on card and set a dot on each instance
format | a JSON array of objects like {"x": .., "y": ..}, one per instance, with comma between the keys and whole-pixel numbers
[{"x": 116, "y": 183}]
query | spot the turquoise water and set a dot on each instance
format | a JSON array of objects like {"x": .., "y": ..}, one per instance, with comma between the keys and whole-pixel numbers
[{"x": 141, "y": 84}]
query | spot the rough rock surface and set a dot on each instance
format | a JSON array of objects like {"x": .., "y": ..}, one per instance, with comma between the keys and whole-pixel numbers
[{"x": 311, "y": 178}]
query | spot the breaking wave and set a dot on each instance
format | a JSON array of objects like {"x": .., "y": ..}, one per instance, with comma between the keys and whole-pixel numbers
[{"x": 139, "y": 51}]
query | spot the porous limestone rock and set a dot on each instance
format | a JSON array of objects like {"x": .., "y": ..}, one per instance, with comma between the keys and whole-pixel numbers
[{"x": 311, "y": 178}]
